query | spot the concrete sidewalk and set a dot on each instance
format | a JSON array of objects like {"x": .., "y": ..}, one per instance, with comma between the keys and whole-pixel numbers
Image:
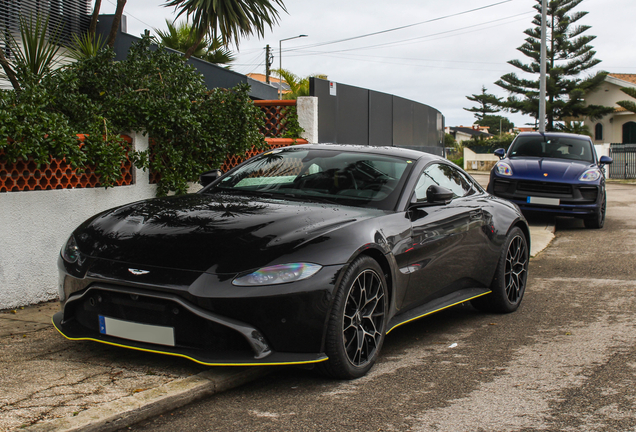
[{"x": 51, "y": 384}]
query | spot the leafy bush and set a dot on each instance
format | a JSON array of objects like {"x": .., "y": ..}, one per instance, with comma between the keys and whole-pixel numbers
[
  {"x": 459, "y": 162},
  {"x": 489, "y": 145},
  {"x": 152, "y": 91},
  {"x": 292, "y": 127}
]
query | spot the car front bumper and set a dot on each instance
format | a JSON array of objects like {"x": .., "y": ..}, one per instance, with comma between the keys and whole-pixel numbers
[
  {"x": 559, "y": 199},
  {"x": 283, "y": 325}
]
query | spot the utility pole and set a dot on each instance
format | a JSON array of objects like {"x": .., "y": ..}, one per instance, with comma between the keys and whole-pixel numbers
[
  {"x": 542, "y": 81},
  {"x": 269, "y": 59}
]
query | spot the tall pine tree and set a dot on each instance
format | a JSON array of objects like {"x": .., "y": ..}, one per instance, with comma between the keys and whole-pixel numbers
[
  {"x": 628, "y": 104},
  {"x": 568, "y": 55},
  {"x": 487, "y": 104}
]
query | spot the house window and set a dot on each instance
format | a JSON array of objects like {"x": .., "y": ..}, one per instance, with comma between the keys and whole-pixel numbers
[
  {"x": 629, "y": 133},
  {"x": 598, "y": 132}
]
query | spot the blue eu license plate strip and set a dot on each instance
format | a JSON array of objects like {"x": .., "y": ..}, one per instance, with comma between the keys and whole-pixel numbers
[{"x": 136, "y": 331}]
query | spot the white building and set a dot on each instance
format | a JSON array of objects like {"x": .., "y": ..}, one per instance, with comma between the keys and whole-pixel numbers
[{"x": 620, "y": 126}]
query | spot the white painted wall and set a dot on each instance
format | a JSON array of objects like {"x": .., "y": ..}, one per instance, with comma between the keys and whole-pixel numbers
[
  {"x": 35, "y": 224},
  {"x": 478, "y": 161},
  {"x": 307, "y": 110}
]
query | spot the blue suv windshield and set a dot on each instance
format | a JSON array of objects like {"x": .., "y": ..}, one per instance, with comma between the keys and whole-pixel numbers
[{"x": 552, "y": 147}]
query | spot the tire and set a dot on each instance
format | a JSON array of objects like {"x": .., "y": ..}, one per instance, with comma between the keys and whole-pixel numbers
[
  {"x": 598, "y": 220},
  {"x": 357, "y": 322},
  {"x": 509, "y": 283}
]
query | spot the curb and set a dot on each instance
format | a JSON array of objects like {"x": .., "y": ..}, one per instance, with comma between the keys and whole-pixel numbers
[
  {"x": 540, "y": 237},
  {"x": 144, "y": 405}
]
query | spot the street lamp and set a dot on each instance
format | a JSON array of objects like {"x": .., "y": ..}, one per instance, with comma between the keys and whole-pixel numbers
[{"x": 280, "y": 64}]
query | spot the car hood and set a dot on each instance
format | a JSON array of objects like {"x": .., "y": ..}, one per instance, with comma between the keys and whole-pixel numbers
[
  {"x": 557, "y": 170},
  {"x": 217, "y": 233}
]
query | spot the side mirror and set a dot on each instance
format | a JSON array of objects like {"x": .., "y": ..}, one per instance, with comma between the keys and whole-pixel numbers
[
  {"x": 439, "y": 195},
  {"x": 605, "y": 160},
  {"x": 435, "y": 195},
  {"x": 500, "y": 153},
  {"x": 209, "y": 176}
]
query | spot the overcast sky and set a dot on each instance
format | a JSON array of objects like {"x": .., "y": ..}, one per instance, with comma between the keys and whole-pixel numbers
[{"x": 446, "y": 53}]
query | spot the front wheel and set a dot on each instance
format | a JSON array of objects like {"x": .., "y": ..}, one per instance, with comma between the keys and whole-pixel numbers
[
  {"x": 598, "y": 220},
  {"x": 509, "y": 283},
  {"x": 357, "y": 324}
]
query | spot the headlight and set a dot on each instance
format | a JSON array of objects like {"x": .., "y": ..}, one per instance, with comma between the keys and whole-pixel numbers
[
  {"x": 278, "y": 274},
  {"x": 592, "y": 174},
  {"x": 70, "y": 251},
  {"x": 503, "y": 169}
]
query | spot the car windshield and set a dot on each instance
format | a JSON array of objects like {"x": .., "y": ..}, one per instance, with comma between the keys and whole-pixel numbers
[
  {"x": 552, "y": 147},
  {"x": 334, "y": 176}
]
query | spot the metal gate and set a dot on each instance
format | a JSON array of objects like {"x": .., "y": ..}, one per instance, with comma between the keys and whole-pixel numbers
[{"x": 624, "y": 165}]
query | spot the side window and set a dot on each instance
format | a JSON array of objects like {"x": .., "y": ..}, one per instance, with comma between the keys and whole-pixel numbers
[{"x": 442, "y": 175}]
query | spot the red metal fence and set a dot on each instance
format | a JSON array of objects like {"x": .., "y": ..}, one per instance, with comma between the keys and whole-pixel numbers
[
  {"x": 26, "y": 175},
  {"x": 276, "y": 112}
]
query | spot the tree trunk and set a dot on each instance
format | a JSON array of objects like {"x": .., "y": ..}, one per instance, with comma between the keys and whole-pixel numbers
[
  {"x": 116, "y": 21},
  {"x": 196, "y": 43},
  {"x": 93, "y": 27},
  {"x": 9, "y": 71}
]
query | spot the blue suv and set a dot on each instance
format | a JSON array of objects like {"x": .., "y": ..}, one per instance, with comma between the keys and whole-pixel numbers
[{"x": 555, "y": 173}]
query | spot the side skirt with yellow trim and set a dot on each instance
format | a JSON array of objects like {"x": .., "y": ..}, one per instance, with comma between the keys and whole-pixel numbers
[{"x": 437, "y": 305}]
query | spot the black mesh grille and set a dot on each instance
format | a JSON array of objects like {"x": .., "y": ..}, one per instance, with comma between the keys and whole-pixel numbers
[
  {"x": 191, "y": 331},
  {"x": 589, "y": 193},
  {"x": 501, "y": 186},
  {"x": 544, "y": 187}
]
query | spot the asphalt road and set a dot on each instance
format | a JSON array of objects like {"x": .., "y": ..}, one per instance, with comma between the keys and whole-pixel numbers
[{"x": 565, "y": 361}]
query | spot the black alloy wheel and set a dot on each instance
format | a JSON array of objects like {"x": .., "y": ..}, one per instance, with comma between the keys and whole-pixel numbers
[
  {"x": 357, "y": 324},
  {"x": 598, "y": 220},
  {"x": 509, "y": 283}
]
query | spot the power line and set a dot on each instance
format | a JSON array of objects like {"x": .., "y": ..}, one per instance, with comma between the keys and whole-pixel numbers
[
  {"x": 410, "y": 40},
  {"x": 397, "y": 28},
  {"x": 131, "y": 15}
]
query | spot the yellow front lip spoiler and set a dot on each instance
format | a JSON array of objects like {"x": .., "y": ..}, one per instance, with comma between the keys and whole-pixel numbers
[
  {"x": 263, "y": 363},
  {"x": 276, "y": 363}
]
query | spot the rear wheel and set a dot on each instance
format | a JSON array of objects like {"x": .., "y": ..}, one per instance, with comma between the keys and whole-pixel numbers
[
  {"x": 357, "y": 324},
  {"x": 598, "y": 220},
  {"x": 509, "y": 283}
]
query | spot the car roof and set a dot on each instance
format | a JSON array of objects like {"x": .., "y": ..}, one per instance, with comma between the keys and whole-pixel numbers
[
  {"x": 554, "y": 135},
  {"x": 386, "y": 150}
]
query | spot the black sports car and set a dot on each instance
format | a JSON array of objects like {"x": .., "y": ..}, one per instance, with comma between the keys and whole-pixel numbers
[{"x": 307, "y": 254}]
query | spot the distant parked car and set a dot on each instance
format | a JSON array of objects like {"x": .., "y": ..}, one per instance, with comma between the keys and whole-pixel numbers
[{"x": 554, "y": 173}]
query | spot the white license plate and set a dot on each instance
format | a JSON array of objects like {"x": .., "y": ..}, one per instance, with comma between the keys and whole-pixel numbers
[
  {"x": 136, "y": 331},
  {"x": 544, "y": 201}
]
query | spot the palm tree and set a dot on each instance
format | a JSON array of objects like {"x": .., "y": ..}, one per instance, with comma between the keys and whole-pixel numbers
[
  {"x": 93, "y": 25},
  {"x": 297, "y": 86},
  {"x": 85, "y": 46},
  {"x": 110, "y": 41},
  {"x": 179, "y": 37},
  {"x": 34, "y": 57},
  {"x": 227, "y": 19},
  {"x": 8, "y": 71}
]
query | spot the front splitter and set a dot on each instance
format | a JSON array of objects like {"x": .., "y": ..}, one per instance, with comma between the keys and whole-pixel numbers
[{"x": 78, "y": 333}]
